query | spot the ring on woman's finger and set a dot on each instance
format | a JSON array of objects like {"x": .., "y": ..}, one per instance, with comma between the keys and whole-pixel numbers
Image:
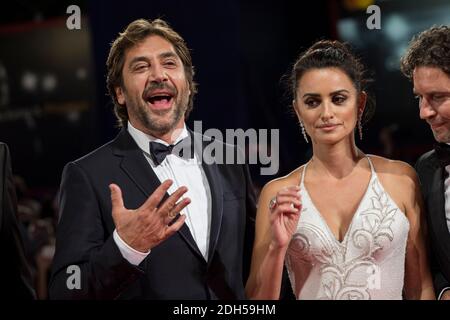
[{"x": 272, "y": 203}]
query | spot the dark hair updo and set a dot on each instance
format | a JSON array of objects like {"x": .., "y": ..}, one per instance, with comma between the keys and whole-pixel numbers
[{"x": 333, "y": 54}]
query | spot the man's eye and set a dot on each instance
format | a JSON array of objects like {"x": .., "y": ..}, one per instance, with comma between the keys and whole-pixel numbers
[
  {"x": 140, "y": 67},
  {"x": 437, "y": 97},
  {"x": 170, "y": 63}
]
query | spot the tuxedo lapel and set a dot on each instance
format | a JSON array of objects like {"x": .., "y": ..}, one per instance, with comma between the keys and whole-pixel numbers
[
  {"x": 436, "y": 203},
  {"x": 140, "y": 172},
  {"x": 136, "y": 166},
  {"x": 212, "y": 174}
]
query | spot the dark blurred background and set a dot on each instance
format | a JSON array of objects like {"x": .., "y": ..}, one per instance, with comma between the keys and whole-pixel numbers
[{"x": 54, "y": 107}]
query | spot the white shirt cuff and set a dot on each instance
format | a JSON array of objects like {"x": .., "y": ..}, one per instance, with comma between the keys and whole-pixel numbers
[
  {"x": 442, "y": 292},
  {"x": 131, "y": 255}
]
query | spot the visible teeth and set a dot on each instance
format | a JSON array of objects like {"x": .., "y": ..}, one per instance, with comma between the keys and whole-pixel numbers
[{"x": 157, "y": 98}]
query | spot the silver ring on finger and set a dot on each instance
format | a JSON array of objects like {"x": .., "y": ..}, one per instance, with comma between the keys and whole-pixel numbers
[{"x": 273, "y": 203}]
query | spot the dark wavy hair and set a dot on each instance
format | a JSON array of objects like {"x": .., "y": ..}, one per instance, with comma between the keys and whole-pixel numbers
[
  {"x": 430, "y": 48},
  {"x": 333, "y": 54},
  {"x": 136, "y": 32}
]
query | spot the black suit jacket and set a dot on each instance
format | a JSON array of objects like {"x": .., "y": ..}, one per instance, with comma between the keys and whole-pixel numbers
[
  {"x": 432, "y": 177},
  {"x": 175, "y": 269},
  {"x": 15, "y": 280}
]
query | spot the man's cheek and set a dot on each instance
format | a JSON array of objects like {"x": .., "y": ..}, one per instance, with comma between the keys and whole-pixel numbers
[{"x": 445, "y": 116}]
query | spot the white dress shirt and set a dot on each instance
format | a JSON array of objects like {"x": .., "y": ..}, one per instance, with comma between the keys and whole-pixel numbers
[{"x": 183, "y": 172}]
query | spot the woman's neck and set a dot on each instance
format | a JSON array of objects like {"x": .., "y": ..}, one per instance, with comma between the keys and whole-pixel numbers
[{"x": 336, "y": 160}]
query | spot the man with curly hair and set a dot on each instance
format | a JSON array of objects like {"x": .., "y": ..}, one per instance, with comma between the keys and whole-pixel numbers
[{"x": 427, "y": 64}]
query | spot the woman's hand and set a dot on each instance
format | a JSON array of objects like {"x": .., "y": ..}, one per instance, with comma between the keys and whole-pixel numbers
[{"x": 284, "y": 211}]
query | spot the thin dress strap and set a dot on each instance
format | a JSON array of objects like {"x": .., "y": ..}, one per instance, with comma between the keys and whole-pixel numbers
[
  {"x": 372, "y": 168},
  {"x": 303, "y": 173}
]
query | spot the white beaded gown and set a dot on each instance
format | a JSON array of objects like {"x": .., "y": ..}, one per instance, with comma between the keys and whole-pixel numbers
[{"x": 369, "y": 263}]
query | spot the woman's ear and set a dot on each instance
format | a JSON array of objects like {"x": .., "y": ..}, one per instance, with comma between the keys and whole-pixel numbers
[
  {"x": 294, "y": 106},
  {"x": 362, "y": 103}
]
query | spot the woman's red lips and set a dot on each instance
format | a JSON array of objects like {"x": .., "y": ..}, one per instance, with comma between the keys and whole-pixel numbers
[{"x": 328, "y": 125}]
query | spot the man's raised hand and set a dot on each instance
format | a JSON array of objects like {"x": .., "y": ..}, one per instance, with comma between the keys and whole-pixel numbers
[{"x": 146, "y": 227}]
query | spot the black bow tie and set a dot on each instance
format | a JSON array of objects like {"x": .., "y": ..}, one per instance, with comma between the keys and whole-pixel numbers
[
  {"x": 443, "y": 153},
  {"x": 182, "y": 149}
]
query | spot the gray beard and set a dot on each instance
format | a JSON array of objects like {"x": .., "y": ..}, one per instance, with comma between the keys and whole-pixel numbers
[{"x": 152, "y": 122}]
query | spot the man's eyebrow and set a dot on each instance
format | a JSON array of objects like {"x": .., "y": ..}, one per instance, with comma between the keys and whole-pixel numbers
[
  {"x": 138, "y": 59},
  {"x": 168, "y": 54},
  {"x": 441, "y": 93},
  {"x": 437, "y": 92},
  {"x": 164, "y": 55}
]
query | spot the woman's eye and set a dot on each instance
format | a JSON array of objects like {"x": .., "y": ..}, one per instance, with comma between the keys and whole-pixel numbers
[
  {"x": 311, "y": 102},
  {"x": 339, "y": 99}
]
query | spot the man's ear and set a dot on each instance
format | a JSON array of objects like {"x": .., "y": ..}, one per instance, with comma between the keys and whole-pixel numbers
[{"x": 120, "y": 96}]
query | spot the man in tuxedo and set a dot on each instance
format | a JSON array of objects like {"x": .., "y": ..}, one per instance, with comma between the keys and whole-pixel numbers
[
  {"x": 427, "y": 64},
  {"x": 15, "y": 275},
  {"x": 138, "y": 220}
]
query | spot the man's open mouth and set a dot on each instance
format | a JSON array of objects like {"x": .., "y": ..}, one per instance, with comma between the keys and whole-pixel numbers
[{"x": 160, "y": 100}]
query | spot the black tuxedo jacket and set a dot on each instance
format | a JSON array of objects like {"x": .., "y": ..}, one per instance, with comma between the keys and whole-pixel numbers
[
  {"x": 15, "y": 280},
  {"x": 175, "y": 269},
  {"x": 432, "y": 176}
]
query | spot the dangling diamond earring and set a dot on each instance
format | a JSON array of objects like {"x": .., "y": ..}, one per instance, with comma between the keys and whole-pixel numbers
[
  {"x": 304, "y": 132},
  {"x": 360, "y": 127}
]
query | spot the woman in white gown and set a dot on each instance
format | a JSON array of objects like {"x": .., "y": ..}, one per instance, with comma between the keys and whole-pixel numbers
[{"x": 346, "y": 225}]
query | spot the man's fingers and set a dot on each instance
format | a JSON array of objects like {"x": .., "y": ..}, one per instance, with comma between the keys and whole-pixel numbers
[
  {"x": 169, "y": 205},
  {"x": 116, "y": 197},
  {"x": 181, "y": 205},
  {"x": 169, "y": 216},
  {"x": 175, "y": 227},
  {"x": 155, "y": 198}
]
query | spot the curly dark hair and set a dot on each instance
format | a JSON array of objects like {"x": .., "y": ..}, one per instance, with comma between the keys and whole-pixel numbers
[
  {"x": 430, "y": 48},
  {"x": 333, "y": 54},
  {"x": 136, "y": 32}
]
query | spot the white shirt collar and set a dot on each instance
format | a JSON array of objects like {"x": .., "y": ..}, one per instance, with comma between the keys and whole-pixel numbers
[{"x": 142, "y": 139}]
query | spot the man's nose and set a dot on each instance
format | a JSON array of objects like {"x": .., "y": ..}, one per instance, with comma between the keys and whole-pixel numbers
[
  {"x": 425, "y": 109},
  {"x": 158, "y": 74}
]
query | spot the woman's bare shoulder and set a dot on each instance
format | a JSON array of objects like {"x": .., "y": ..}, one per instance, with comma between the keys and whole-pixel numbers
[
  {"x": 400, "y": 169},
  {"x": 398, "y": 178},
  {"x": 291, "y": 179}
]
